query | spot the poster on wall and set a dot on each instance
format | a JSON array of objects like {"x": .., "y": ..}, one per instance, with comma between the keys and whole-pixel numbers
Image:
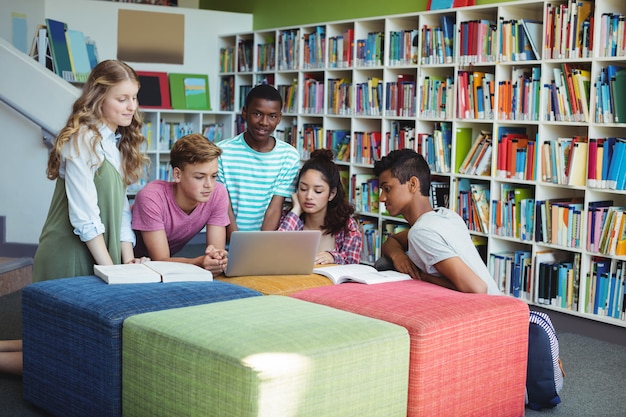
[{"x": 150, "y": 37}]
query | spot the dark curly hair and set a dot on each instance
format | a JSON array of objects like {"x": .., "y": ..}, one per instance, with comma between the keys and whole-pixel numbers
[{"x": 339, "y": 209}]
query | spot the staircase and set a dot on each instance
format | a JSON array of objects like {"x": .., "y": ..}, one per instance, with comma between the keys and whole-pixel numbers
[{"x": 15, "y": 274}]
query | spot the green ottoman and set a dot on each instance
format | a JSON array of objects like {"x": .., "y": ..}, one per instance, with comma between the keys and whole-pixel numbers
[{"x": 263, "y": 356}]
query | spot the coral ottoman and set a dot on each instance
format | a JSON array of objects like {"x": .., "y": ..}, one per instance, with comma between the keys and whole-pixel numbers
[
  {"x": 263, "y": 356},
  {"x": 72, "y": 330},
  {"x": 468, "y": 351}
]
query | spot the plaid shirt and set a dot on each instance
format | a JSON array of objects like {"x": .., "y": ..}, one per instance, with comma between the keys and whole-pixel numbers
[{"x": 347, "y": 245}]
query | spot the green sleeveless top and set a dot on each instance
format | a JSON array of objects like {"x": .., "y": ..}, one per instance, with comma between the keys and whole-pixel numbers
[{"x": 61, "y": 253}]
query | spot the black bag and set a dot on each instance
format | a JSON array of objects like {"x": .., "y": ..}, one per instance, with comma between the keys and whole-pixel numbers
[{"x": 544, "y": 375}]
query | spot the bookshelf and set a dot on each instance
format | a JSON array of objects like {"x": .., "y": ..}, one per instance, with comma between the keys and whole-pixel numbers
[{"x": 516, "y": 76}]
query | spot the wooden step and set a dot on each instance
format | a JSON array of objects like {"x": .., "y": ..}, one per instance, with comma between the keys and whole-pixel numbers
[{"x": 15, "y": 274}]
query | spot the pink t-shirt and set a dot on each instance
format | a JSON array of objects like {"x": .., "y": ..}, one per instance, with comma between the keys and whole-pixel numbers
[{"x": 155, "y": 209}]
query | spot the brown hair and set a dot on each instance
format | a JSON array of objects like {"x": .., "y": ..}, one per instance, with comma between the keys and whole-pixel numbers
[
  {"x": 193, "y": 149},
  {"x": 87, "y": 114}
]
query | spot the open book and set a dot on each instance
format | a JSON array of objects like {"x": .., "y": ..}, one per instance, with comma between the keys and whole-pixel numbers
[
  {"x": 363, "y": 274},
  {"x": 151, "y": 271}
]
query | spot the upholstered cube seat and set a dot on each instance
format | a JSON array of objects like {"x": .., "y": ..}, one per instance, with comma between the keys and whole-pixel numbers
[
  {"x": 72, "y": 330},
  {"x": 278, "y": 284},
  {"x": 468, "y": 351},
  {"x": 263, "y": 356}
]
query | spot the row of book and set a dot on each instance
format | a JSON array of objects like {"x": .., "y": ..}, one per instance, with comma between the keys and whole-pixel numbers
[
  {"x": 401, "y": 96},
  {"x": 567, "y": 34},
  {"x": 547, "y": 278},
  {"x": 555, "y": 279},
  {"x": 520, "y": 39},
  {"x": 478, "y": 41},
  {"x": 169, "y": 133},
  {"x": 473, "y": 157},
  {"x": 475, "y": 95},
  {"x": 365, "y": 193},
  {"x": 340, "y": 49},
  {"x": 563, "y": 159},
  {"x": 604, "y": 288},
  {"x": 473, "y": 205},
  {"x": 339, "y": 96},
  {"x": 435, "y": 97},
  {"x": 403, "y": 47},
  {"x": 289, "y": 93},
  {"x": 606, "y": 228},
  {"x": 368, "y": 97},
  {"x": 227, "y": 59},
  {"x": 370, "y": 51},
  {"x": 313, "y": 95},
  {"x": 67, "y": 52},
  {"x": 568, "y": 29},
  {"x": 313, "y": 49},
  {"x": 519, "y": 98},
  {"x": 568, "y": 94},
  {"x": 266, "y": 55},
  {"x": 607, "y": 163},
  {"x": 438, "y": 42},
  {"x": 244, "y": 55},
  {"x": 612, "y": 35},
  {"x": 610, "y": 102},
  {"x": 513, "y": 214},
  {"x": 369, "y": 234},
  {"x": 288, "y": 49}
]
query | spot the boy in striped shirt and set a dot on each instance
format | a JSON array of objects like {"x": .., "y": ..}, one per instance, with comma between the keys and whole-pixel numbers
[{"x": 258, "y": 170}]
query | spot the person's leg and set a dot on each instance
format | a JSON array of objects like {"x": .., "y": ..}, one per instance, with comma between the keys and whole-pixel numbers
[{"x": 11, "y": 362}]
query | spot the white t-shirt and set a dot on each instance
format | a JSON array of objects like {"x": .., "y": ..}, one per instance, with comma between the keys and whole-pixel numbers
[{"x": 442, "y": 234}]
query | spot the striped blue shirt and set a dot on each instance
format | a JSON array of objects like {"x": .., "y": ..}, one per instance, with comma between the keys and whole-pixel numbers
[{"x": 252, "y": 178}]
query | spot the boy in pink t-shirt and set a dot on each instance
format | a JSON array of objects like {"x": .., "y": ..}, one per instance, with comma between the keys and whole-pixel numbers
[{"x": 167, "y": 215}]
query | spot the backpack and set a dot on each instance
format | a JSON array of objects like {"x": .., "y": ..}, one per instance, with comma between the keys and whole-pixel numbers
[{"x": 544, "y": 375}]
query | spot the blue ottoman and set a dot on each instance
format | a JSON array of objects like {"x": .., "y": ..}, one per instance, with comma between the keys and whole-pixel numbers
[{"x": 72, "y": 330}]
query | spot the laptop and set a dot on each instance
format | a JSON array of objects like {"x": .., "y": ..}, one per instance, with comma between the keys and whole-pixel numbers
[{"x": 272, "y": 252}]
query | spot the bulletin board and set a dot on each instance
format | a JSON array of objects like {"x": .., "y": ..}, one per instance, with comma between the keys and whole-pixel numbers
[{"x": 150, "y": 37}]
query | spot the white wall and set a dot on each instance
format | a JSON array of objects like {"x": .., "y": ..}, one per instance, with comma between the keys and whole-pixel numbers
[{"x": 24, "y": 190}]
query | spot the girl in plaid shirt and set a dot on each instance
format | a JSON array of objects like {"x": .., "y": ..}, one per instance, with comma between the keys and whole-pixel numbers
[{"x": 320, "y": 203}]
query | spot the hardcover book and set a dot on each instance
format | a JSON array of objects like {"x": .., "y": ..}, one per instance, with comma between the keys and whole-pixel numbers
[{"x": 151, "y": 271}]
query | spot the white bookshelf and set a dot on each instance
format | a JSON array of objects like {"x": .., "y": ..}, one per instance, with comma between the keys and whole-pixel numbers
[{"x": 388, "y": 70}]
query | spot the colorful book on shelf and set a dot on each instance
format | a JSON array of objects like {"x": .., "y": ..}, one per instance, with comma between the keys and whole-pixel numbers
[
  {"x": 617, "y": 166},
  {"x": 58, "y": 46},
  {"x": 481, "y": 200},
  {"x": 532, "y": 32},
  {"x": 577, "y": 161},
  {"x": 508, "y": 141},
  {"x": 476, "y": 153},
  {"x": 79, "y": 57}
]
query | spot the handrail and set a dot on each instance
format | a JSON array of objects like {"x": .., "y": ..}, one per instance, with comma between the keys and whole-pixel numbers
[
  {"x": 46, "y": 132},
  {"x": 34, "y": 91}
]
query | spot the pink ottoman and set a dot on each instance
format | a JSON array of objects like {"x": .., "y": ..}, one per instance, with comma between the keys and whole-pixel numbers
[{"x": 468, "y": 351}]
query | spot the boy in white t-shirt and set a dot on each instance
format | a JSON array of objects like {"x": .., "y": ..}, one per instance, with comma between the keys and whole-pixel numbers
[
  {"x": 438, "y": 247},
  {"x": 168, "y": 214}
]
